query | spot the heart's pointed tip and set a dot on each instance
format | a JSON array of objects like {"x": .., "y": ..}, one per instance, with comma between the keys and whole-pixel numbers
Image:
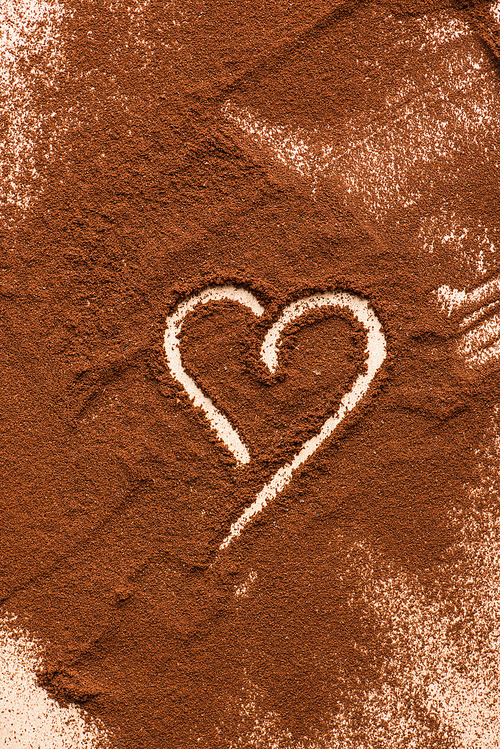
[{"x": 269, "y": 358}]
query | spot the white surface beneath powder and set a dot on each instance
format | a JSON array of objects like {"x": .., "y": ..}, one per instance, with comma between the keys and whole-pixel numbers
[
  {"x": 29, "y": 718},
  {"x": 477, "y": 314},
  {"x": 376, "y": 166},
  {"x": 495, "y": 10},
  {"x": 376, "y": 161},
  {"x": 30, "y": 55}
]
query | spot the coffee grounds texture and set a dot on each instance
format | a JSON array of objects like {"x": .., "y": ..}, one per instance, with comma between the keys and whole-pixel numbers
[{"x": 116, "y": 493}]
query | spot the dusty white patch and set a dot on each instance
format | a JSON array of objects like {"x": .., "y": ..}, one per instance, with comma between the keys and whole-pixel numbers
[
  {"x": 446, "y": 658},
  {"x": 495, "y": 10},
  {"x": 445, "y": 661},
  {"x": 470, "y": 241},
  {"x": 455, "y": 654},
  {"x": 477, "y": 312},
  {"x": 381, "y": 160},
  {"x": 375, "y": 349},
  {"x": 384, "y": 720},
  {"x": 456, "y": 681},
  {"x": 242, "y": 590},
  {"x": 378, "y": 165},
  {"x": 30, "y": 55},
  {"x": 481, "y": 345},
  {"x": 286, "y": 145},
  {"x": 457, "y": 300},
  {"x": 29, "y": 718},
  {"x": 438, "y": 30}
]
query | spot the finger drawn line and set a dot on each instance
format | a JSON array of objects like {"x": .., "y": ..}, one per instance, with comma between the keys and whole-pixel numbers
[
  {"x": 453, "y": 301},
  {"x": 480, "y": 321},
  {"x": 479, "y": 316},
  {"x": 376, "y": 351},
  {"x": 219, "y": 423}
]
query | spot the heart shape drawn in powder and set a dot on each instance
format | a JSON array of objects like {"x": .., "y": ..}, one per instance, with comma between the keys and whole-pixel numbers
[{"x": 376, "y": 350}]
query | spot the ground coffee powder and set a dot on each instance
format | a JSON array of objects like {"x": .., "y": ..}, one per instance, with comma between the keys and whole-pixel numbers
[{"x": 288, "y": 150}]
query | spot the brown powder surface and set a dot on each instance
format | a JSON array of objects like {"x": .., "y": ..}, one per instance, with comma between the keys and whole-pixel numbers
[{"x": 288, "y": 149}]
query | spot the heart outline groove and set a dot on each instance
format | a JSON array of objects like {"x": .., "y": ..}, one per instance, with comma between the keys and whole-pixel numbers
[{"x": 376, "y": 349}]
